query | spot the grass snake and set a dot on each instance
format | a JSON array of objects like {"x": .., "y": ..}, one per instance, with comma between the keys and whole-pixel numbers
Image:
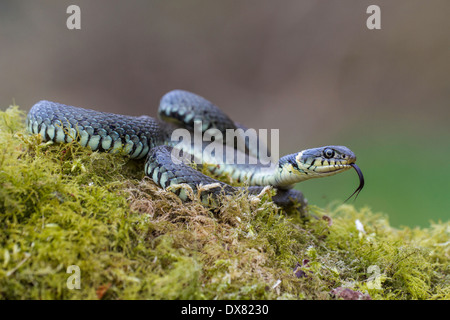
[{"x": 150, "y": 138}]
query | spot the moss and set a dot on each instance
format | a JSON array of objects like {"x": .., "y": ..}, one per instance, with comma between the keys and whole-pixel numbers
[{"x": 63, "y": 205}]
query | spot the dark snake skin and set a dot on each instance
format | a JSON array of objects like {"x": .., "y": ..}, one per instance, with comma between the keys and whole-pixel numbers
[{"x": 145, "y": 137}]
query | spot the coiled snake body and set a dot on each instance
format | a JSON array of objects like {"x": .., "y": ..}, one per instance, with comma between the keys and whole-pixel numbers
[{"x": 149, "y": 138}]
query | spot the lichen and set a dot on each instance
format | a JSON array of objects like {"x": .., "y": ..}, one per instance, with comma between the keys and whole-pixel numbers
[{"x": 63, "y": 205}]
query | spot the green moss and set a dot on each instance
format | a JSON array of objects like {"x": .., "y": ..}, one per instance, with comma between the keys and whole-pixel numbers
[{"x": 63, "y": 205}]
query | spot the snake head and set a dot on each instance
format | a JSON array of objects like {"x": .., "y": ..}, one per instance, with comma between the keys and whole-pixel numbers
[{"x": 325, "y": 161}]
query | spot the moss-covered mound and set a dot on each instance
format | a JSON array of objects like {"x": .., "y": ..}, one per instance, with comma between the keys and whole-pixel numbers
[{"x": 63, "y": 205}]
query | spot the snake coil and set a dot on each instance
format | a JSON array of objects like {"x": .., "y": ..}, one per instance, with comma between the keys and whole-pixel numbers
[{"x": 150, "y": 138}]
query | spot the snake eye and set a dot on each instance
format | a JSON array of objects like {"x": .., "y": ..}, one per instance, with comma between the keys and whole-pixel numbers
[{"x": 328, "y": 153}]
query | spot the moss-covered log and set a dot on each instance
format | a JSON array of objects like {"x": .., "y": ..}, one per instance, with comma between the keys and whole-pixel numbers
[{"x": 63, "y": 205}]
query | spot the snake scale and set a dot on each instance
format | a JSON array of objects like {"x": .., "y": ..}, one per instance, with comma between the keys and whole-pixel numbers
[{"x": 150, "y": 139}]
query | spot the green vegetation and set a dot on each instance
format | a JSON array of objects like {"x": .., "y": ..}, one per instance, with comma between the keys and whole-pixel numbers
[{"x": 63, "y": 205}]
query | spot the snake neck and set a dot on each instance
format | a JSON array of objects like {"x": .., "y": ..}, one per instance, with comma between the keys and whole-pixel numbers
[{"x": 284, "y": 173}]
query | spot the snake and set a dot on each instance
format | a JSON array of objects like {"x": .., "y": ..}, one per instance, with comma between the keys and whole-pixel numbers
[{"x": 150, "y": 139}]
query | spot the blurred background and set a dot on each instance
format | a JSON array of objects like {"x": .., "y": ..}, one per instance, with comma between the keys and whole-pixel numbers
[{"x": 310, "y": 68}]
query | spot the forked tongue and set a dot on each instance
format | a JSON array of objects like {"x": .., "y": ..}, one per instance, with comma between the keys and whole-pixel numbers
[{"x": 361, "y": 182}]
